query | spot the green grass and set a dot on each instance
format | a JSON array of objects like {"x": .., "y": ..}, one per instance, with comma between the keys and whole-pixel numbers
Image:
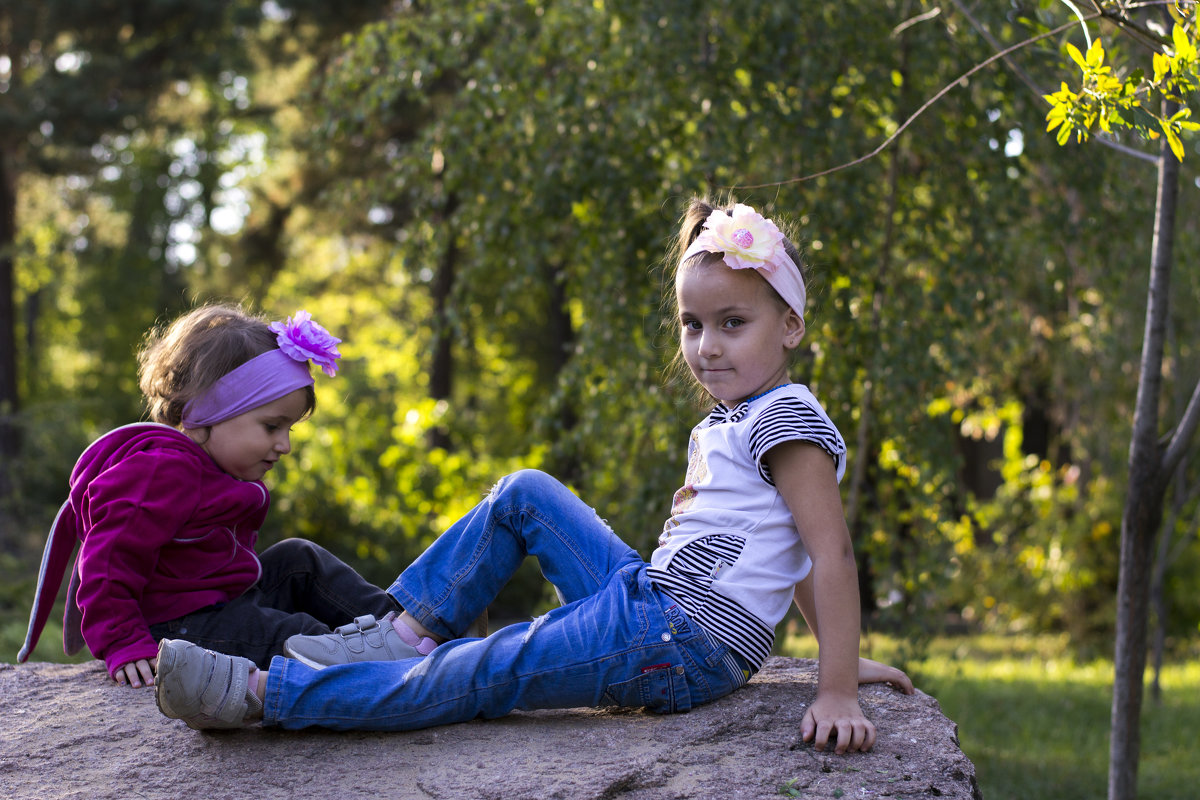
[{"x": 1035, "y": 722}]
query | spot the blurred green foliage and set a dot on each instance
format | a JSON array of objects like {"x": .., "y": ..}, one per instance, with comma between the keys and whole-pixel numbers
[{"x": 479, "y": 196}]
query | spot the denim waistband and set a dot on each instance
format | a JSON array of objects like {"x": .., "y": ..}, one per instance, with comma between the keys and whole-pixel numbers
[{"x": 739, "y": 669}]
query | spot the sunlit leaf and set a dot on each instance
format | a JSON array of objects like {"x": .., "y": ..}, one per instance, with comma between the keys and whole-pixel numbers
[{"x": 1077, "y": 56}]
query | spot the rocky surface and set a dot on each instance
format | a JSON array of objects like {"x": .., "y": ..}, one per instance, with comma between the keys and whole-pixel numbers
[{"x": 69, "y": 732}]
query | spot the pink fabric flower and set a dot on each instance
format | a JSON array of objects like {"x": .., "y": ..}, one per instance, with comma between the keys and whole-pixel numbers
[
  {"x": 303, "y": 339},
  {"x": 748, "y": 240}
]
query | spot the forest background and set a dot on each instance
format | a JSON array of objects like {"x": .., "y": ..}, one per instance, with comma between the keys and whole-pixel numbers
[{"x": 478, "y": 197}]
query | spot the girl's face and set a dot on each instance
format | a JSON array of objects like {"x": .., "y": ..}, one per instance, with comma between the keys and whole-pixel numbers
[
  {"x": 248, "y": 445},
  {"x": 734, "y": 334}
]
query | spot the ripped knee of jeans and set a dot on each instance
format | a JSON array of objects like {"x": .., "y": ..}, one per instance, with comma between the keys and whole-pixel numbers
[{"x": 533, "y": 626}]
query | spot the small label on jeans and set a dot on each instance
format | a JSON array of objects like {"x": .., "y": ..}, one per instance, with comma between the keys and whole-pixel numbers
[
  {"x": 677, "y": 621},
  {"x": 655, "y": 668}
]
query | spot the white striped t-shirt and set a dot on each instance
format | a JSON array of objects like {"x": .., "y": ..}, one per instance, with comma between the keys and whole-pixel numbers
[{"x": 730, "y": 554}]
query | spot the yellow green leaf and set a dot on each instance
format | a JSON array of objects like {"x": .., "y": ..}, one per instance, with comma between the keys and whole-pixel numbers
[
  {"x": 1076, "y": 56},
  {"x": 1162, "y": 65},
  {"x": 1184, "y": 49},
  {"x": 1055, "y": 117},
  {"x": 1173, "y": 141}
]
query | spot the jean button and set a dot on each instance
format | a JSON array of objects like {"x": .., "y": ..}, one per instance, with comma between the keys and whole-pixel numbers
[
  {"x": 666, "y": 637},
  {"x": 679, "y": 670}
]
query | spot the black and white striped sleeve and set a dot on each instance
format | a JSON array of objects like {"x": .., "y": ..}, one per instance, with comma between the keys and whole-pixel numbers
[{"x": 791, "y": 419}]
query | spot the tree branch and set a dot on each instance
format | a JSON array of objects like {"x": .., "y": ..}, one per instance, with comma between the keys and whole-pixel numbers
[
  {"x": 1118, "y": 18},
  {"x": 982, "y": 30},
  {"x": 1182, "y": 542},
  {"x": 1181, "y": 439},
  {"x": 1027, "y": 79},
  {"x": 924, "y": 107},
  {"x": 1140, "y": 33},
  {"x": 908, "y": 23}
]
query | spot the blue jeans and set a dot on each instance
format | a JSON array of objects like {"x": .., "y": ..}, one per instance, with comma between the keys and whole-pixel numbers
[{"x": 615, "y": 641}]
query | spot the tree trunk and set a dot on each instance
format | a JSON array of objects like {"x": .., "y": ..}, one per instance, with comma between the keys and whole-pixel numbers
[
  {"x": 1144, "y": 500},
  {"x": 10, "y": 441},
  {"x": 560, "y": 336},
  {"x": 1169, "y": 550},
  {"x": 1158, "y": 601},
  {"x": 864, "y": 445},
  {"x": 441, "y": 367}
]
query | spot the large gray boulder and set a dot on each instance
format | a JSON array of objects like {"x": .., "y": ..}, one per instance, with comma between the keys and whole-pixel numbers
[{"x": 69, "y": 732}]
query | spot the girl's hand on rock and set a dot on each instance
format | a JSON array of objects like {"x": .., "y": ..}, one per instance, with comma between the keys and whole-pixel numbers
[
  {"x": 873, "y": 672},
  {"x": 137, "y": 673},
  {"x": 839, "y": 719}
]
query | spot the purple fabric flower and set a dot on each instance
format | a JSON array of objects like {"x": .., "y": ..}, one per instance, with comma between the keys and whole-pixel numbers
[{"x": 302, "y": 339}]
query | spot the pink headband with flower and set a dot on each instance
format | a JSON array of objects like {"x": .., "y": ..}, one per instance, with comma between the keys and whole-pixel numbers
[
  {"x": 749, "y": 240},
  {"x": 268, "y": 376}
]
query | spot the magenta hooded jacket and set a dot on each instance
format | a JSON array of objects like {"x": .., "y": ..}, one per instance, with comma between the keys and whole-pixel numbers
[{"x": 162, "y": 532}]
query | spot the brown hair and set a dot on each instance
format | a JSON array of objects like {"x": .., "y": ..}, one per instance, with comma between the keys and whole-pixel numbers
[{"x": 183, "y": 360}]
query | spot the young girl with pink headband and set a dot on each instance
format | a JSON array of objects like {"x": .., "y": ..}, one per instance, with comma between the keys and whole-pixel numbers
[
  {"x": 756, "y": 525},
  {"x": 166, "y": 513}
]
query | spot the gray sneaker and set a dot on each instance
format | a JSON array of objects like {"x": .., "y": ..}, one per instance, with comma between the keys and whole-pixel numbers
[
  {"x": 365, "y": 639},
  {"x": 203, "y": 688}
]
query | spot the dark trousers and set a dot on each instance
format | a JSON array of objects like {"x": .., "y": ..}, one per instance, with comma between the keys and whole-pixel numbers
[{"x": 303, "y": 589}]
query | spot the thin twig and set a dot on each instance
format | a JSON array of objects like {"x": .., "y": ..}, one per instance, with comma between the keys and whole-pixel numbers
[
  {"x": 908, "y": 23},
  {"x": 924, "y": 107},
  {"x": 1125, "y": 149},
  {"x": 982, "y": 30},
  {"x": 1087, "y": 36},
  {"x": 1140, "y": 33},
  {"x": 1027, "y": 79},
  {"x": 1182, "y": 438}
]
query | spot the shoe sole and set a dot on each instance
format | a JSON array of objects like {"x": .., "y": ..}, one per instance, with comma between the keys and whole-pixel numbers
[
  {"x": 308, "y": 662},
  {"x": 164, "y": 663},
  {"x": 167, "y": 658}
]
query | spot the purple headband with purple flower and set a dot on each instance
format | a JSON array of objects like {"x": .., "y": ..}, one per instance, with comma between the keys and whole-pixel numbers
[{"x": 268, "y": 376}]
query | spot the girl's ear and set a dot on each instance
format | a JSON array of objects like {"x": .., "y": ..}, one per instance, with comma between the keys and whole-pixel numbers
[
  {"x": 198, "y": 435},
  {"x": 793, "y": 330}
]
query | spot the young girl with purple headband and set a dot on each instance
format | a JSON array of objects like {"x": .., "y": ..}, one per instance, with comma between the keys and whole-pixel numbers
[
  {"x": 166, "y": 513},
  {"x": 757, "y": 525}
]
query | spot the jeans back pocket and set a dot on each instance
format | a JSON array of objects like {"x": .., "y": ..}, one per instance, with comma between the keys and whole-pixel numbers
[{"x": 654, "y": 689}]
